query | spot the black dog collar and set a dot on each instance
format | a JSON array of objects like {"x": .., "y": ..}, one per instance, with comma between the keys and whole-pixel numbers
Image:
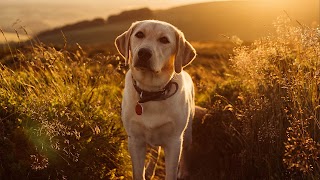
[{"x": 145, "y": 96}]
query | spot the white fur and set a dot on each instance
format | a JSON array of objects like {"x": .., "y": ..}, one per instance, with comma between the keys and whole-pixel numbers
[{"x": 166, "y": 123}]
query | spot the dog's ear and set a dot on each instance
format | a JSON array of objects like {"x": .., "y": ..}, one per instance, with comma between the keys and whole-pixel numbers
[
  {"x": 185, "y": 52},
  {"x": 122, "y": 43}
]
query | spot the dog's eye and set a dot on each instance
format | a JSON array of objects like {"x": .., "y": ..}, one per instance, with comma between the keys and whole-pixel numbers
[
  {"x": 164, "y": 40},
  {"x": 139, "y": 35}
]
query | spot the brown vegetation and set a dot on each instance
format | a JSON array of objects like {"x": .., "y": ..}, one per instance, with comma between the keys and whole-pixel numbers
[{"x": 60, "y": 110}]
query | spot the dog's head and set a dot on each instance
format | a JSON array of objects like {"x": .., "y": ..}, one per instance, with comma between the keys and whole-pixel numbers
[{"x": 154, "y": 47}]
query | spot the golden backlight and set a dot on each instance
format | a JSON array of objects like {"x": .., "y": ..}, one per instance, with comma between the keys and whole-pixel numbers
[
  {"x": 256, "y": 75},
  {"x": 213, "y": 18}
]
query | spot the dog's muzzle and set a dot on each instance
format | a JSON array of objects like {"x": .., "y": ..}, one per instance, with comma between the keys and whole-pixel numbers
[{"x": 144, "y": 56}]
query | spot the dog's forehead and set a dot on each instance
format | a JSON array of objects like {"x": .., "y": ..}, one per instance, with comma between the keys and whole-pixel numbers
[{"x": 156, "y": 27}]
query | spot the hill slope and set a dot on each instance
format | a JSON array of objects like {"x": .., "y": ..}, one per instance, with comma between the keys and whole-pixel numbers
[{"x": 205, "y": 21}]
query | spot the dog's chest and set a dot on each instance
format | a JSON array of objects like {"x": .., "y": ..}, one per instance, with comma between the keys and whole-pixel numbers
[
  {"x": 155, "y": 124},
  {"x": 155, "y": 133},
  {"x": 154, "y": 114}
]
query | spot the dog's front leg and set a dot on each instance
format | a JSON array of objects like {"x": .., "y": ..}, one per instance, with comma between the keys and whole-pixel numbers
[
  {"x": 137, "y": 150},
  {"x": 172, "y": 151}
]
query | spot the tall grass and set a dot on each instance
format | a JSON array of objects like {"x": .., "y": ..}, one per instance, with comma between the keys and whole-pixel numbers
[
  {"x": 263, "y": 122},
  {"x": 281, "y": 76},
  {"x": 59, "y": 115},
  {"x": 281, "y": 73},
  {"x": 59, "y": 111}
]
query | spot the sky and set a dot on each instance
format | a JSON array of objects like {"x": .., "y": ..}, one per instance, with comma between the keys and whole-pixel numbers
[
  {"x": 39, "y": 15},
  {"x": 124, "y": 4}
]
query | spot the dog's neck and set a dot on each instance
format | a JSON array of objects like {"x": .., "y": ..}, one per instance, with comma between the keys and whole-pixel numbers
[
  {"x": 163, "y": 94},
  {"x": 152, "y": 82},
  {"x": 149, "y": 88}
]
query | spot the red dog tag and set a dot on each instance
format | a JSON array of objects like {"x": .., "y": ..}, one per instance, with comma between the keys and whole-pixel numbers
[{"x": 139, "y": 108}]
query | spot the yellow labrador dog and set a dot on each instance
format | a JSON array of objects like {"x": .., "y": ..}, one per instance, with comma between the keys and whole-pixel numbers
[{"x": 158, "y": 100}]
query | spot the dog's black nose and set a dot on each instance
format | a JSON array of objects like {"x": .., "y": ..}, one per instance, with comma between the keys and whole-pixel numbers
[{"x": 144, "y": 54}]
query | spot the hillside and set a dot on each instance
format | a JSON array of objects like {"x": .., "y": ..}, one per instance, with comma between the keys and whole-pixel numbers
[
  {"x": 60, "y": 110},
  {"x": 245, "y": 19},
  {"x": 200, "y": 22}
]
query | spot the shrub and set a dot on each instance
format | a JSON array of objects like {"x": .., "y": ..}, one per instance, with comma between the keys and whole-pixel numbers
[
  {"x": 59, "y": 116},
  {"x": 281, "y": 115},
  {"x": 263, "y": 122}
]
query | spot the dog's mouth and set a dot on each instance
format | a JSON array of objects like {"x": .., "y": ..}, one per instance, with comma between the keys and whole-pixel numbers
[{"x": 145, "y": 67}]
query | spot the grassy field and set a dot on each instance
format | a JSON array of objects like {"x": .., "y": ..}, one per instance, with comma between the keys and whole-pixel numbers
[{"x": 60, "y": 109}]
